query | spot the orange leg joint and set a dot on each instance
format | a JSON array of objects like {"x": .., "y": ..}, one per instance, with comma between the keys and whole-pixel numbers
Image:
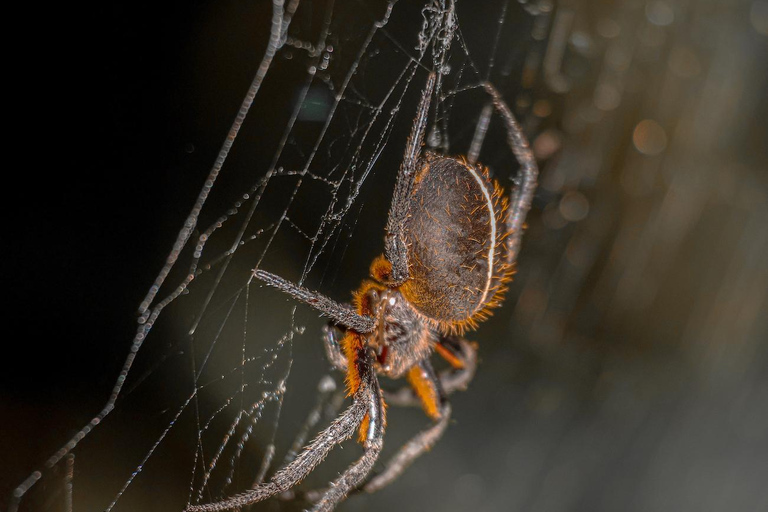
[{"x": 425, "y": 390}]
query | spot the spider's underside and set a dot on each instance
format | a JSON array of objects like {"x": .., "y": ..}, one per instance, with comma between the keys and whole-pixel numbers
[{"x": 451, "y": 242}]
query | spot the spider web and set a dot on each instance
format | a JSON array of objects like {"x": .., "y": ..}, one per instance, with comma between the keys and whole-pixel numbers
[
  {"x": 627, "y": 367},
  {"x": 212, "y": 394}
]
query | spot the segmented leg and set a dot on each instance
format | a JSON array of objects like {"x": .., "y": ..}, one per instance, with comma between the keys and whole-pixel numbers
[
  {"x": 525, "y": 185},
  {"x": 462, "y": 356},
  {"x": 332, "y": 337},
  {"x": 326, "y": 391},
  {"x": 338, "y": 312},
  {"x": 428, "y": 388},
  {"x": 481, "y": 129},
  {"x": 410, "y": 452},
  {"x": 367, "y": 402},
  {"x": 358, "y": 471},
  {"x": 394, "y": 241}
]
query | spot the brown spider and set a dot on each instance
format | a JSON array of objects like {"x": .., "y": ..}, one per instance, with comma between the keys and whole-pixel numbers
[{"x": 451, "y": 242}]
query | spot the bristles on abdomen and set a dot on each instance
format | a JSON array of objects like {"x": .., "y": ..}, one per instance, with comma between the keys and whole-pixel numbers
[{"x": 455, "y": 236}]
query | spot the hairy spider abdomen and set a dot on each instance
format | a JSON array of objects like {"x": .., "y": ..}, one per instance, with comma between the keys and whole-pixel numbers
[{"x": 454, "y": 232}]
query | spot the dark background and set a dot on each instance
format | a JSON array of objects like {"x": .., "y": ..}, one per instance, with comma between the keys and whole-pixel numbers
[{"x": 98, "y": 180}]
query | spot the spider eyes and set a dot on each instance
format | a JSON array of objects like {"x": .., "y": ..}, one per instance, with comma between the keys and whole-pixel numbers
[{"x": 378, "y": 298}]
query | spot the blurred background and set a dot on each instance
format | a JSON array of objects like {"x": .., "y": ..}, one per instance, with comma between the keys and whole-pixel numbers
[{"x": 626, "y": 370}]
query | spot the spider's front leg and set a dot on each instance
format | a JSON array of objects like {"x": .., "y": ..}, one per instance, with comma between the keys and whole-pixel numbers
[
  {"x": 374, "y": 438},
  {"x": 367, "y": 403},
  {"x": 429, "y": 390},
  {"x": 340, "y": 313},
  {"x": 332, "y": 336},
  {"x": 394, "y": 242}
]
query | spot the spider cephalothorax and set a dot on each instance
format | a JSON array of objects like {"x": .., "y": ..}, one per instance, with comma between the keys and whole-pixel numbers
[
  {"x": 451, "y": 242},
  {"x": 402, "y": 335}
]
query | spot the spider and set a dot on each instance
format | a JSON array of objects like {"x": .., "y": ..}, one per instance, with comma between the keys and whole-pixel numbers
[{"x": 451, "y": 242}]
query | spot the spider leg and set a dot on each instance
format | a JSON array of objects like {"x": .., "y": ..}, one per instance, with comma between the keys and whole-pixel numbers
[
  {"x": 367, "y": 401},
  {"x": 359, "y": 470},
  {"x": 339, "y": 313},
  {"x": 525, "y": 186},
  {"x": 332, "y": 336},
  {"x": 481, "y": 129},
  {"x": 328, "y": 402},
  {"x": 462, "y": 356},
  {"x": 394, "y": 241},
  {"x": 428, "y": 387}
]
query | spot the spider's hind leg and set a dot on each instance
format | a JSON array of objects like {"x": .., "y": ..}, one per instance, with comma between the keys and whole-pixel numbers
[
  {"x": 525, "y": 185},
  {"x": 427, "y": 386},
  {"x": 430, "y": 391},
  {"x": 460, "y": 354}
]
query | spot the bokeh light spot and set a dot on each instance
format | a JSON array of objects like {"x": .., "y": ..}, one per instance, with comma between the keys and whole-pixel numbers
[{"x": 649, "y": 137}]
